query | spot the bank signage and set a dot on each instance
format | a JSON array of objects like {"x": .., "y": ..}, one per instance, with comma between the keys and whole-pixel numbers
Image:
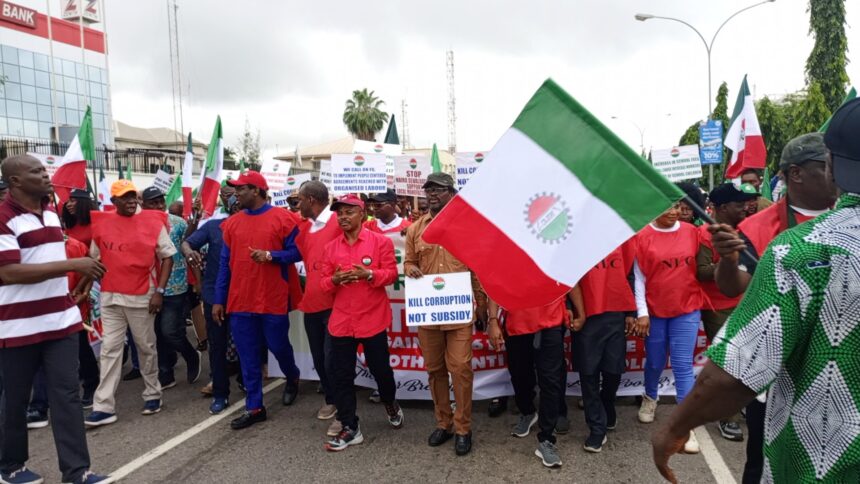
[{"x": 17, "y": 14}]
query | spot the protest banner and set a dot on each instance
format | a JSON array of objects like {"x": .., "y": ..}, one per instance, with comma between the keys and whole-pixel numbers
[
  {"x": 678, "y": 163},
  {"x": 325, "y": 173},
  {"x": 356, "y": 173},
  {"x": 230, "y": 174},
  {"x": 275, "y": 172},
  {"x": 467, "y": 164},
  {"x": 162, "y": 181},
  {"x": 410, "y": 174},
  {"x": 439, "y": 299},
  {"x": 49, "y": 161},
  {"x": 279, "y": 197},
  {"x": 389, "y": 150}
]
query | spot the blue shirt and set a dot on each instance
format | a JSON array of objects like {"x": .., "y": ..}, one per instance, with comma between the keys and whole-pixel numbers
[{"x": 209, "y": 233}]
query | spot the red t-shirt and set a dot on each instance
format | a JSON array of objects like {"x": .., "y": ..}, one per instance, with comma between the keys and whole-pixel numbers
[
  {"x": 605, "y": 288},
  {"x": 373, "y": 226},
  {"x": 312, "y": 247},
  {"x": 764, "y": 226},
  {"x": 532, "y": 320},
  {"x": 668, "y": 261},
  {"x": 259, "y": 288},
  {"x": 82, "y": 233},
  {"x": 74, "y": 250},
  {"x": 716, "y": 300},
  {"x": 361, "y": 309}
]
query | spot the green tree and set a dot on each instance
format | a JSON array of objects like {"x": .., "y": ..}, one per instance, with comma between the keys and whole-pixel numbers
[
  {"x": 827, "y": 61},
  {"x": 811, "y": 111},
  {"x": 248, "y": 145},
  {"x": 363, "y": 115}
]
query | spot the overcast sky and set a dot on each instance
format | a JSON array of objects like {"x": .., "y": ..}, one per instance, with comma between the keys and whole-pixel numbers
[{"x": 290, "y": 65}]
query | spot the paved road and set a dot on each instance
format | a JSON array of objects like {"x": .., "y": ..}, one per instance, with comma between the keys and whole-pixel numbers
[{"x": 289, "y": 446}]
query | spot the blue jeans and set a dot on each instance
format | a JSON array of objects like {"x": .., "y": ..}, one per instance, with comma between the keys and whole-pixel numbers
[
  {"x": 252, "y": 333},
  {"x": 171, "y": 337},
  {"x": 677, "y": 336},
  {"x": 217, "y": 336}
]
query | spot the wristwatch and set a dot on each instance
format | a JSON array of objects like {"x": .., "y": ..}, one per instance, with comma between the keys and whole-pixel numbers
[
  {"x": 268, "y": 256},
  {"x": 159, "y": 290},
  {"x": 370, "y": 277}
]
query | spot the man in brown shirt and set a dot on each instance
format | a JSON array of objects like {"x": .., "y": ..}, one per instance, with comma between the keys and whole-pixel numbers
[{"x": 446, "y": 348}]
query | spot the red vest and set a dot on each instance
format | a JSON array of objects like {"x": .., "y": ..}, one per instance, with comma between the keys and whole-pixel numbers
[
  {"x": 668, "y": 261},
  {"x": 127, "y": 247},
  {"x": 312, "y": 247},
  {"x": 716, "y": 299},
  {"x": 532, "y": 320},
  {"x": 764, "y": 226},
  {"x": 605, "y": 288}
]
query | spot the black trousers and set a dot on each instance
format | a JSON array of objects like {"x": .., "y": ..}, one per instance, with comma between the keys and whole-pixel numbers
[
  {"x": 599, "y": 350},
  {"x": 316, "y": 328},
  {"x": 342, "y": 372},
  {"x": 59, "y": 358},
  {"x": 755, "y": 442},
  {"x": 538, "y": 358},
  {"x": 88, "y": 372}
]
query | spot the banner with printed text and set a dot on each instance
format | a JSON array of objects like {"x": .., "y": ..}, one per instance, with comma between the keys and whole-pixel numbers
[
  {"x": 679, "y": 163},
  {"x": 294, "y": 182},
  {"x": 410, "y": 174},
  {"x": 276, "y": 172},
  {"x": 467, "y": 164},
  {"x": 358, "y": 173},
  {"x": 389, "y": 150}
]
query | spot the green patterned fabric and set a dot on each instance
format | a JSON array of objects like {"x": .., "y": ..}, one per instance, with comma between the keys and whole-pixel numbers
[{"x": 796, "y": 333}]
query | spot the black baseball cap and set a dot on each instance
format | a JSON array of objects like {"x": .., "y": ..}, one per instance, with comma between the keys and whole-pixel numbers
[
  {"x": 78, "y": 193},
  {"x": 728, "y": 192},
  {"x": 441, "y": 179},
  {"x": 384, "y": 197},
  {"x": 799, "y": 150},
  {"x": 844, "y": 143},
  {"x": 151, "y": 193}
]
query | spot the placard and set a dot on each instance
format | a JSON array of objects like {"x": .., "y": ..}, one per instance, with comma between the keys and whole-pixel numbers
[
  {"x": 467, "y": 164},
  {"x": 678, "y": 163},
  {"x": 410, "y": 174},
  {"x": 294, "y": 182},
  {"x": 51, "y": 162},
  {"x": 439, "y": 299},
  {"x": 711, "y": 142},
  {"x": 372, "y": 148},
  {"x": 275, "y": 172},
  {"x": 325, "y": 173},
  {"x": 162, "y": 181},
  {"x": 358, "y": 173}
]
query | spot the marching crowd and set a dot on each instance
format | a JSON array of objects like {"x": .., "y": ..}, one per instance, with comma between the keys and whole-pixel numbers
[{"x": 244, "y": 261}]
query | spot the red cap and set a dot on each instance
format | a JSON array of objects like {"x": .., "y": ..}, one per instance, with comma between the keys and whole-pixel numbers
[
  {"x": 250, "y": 178},
  {"x": 349, "y": 199}
]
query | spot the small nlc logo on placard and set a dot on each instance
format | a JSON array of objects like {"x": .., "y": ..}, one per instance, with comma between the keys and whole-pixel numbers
[
  {"x": 675, "y": 152},
  {"x": 438, "y": 283},
  {"x": 50, "y": 160},
  {"x": 479, "y": 157},
  {"x": 366, "y": 260},
  {"x": 548, "y": 217},
  {"x": 358, "y": 160},
  {"x": 377, "y": 148},
  {"x": 413, "y": 163},
  {"x": 291, "y": 181},
  {"x": 275, "y": 167}
]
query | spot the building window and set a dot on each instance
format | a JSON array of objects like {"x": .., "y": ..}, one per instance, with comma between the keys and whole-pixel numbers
[
  {"x": 41, "y": 62},
  {"x": 10, "y": 54},
  {"x": 11, "y": 72},
  {"x": 28, "y": 94},
  {"x": 12, "y": 91},
  {"x": 16, "y": 127},
  {"x": 29, "y": 111},
  {"x": 13, "y": 109},
  {"x": 28, "y": 76},
  {"x": 25, "y": 58},
  {"x": 45, "y": 114},
  {"x": 43, "y": 96}
]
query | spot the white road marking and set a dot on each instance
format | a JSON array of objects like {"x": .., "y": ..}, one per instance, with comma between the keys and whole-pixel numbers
[
  {"x": 712, "y": 456},
  {"x": 162, "y": 449}
]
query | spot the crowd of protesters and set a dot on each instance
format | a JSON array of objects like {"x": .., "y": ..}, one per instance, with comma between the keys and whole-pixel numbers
[{"x": 243, "y": 265}]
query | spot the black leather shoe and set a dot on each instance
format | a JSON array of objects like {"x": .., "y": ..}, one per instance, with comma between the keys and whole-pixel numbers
[
  {"x": 463, "y": 444},
  {"x": 497, "y": 406},
  {"x": 291, "y": 391},
  {"x": 439, "y": 437},
  {"x": 248, "y": 419}
]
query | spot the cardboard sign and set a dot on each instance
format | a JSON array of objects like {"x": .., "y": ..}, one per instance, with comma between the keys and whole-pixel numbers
[
  {"x": 51, "y": 162},
  {"x": 372, "y": 148},
  {"x": 325, "y": 173},
  {"x": 467, "y": 164},
  {"x": 276, "y": 172},
  {"x": 294, "y": 182},
  {"x": 410, "y": 174},
  {"x": 679, "y": 163},
  {"x": 439, "y": 299},
  {"x": 162, "y": 181},
  {"x": 357, "y": 173}
]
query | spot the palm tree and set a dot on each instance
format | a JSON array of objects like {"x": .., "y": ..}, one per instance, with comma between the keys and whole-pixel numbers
[{"x": 363, "y": 115}]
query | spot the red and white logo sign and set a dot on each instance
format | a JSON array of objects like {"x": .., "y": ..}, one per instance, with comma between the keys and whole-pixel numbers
[{"x": 18, "y": 15}]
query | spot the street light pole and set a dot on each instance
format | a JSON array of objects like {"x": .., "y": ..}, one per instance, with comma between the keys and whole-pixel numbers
[
  {"x": 708, "y": 48},
  {"x": 641, "y": 132}
]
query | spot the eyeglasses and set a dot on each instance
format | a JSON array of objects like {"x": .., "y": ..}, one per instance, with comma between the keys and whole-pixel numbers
[
  {"x": 435, "y": 190},
  {"x": 293, "y": 202}
]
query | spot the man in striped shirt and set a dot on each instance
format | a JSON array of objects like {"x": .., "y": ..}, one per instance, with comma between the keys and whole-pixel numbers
[{"x": 39, "y": 323}]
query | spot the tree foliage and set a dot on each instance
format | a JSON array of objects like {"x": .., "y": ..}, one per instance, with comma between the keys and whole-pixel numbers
[
  {"x": 248, "y": 145},
  {"x": 827, "y": 61},
  {"x": 363, "y": 115}
]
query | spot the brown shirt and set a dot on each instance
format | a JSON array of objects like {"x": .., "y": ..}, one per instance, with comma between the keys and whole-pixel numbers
[{"x": 435, "y": 259}]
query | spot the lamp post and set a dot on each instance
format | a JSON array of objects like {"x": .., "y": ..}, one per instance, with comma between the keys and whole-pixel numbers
[
  {"x": 641, "y": 132},
  {"x": 708, "y": 47}
]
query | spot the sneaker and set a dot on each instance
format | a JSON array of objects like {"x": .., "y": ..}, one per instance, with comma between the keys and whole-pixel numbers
[
  {"x": 21, "y": 476},
  {"x": 97, "y": 419},
  {"x": 151, "y": 407},
  {"x": 334, "y": 428},
  {"x": 165, "y": 384},
  {"x": 648, "y": 409},
  {"x": 594, "y": 443},
  {"x": 326, "y": 412},
  {"x": 248, "y": 418},
  {"x": 206, "y": 391},
  {"x": 562, "y": 425},
  {"x": 134, "y": 374},
  {"x": 548, "y": 454},
  {"x": 692, "y": 445},
  {"x": 36, "y": 419},
  {"x": 88, "y": 477},
  {"x": 395, "y": 414},
  {"x": 344, "y": 439},
  {"x": 218, "y": 405},
  {"x": 524, "y": 426},
  {"x": 375, "y": 397},
  {"x": 731, "y": 431},
  {"x": 194, "y": 368}
]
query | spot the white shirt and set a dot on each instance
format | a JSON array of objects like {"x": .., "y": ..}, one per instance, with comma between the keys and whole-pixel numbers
[
  {"x": 393, "y": 225},
  {"x": 320, "y": 222}
]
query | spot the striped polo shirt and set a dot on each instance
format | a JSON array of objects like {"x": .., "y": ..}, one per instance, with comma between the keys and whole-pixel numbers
[{"x": 32, "y": 313}]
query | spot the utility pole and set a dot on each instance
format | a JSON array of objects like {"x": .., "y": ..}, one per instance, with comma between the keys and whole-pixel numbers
[
  {"x": 452, "y": 105},
  {"x": 404, "y": 121},
  {"x": 175, "y": 70}
]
